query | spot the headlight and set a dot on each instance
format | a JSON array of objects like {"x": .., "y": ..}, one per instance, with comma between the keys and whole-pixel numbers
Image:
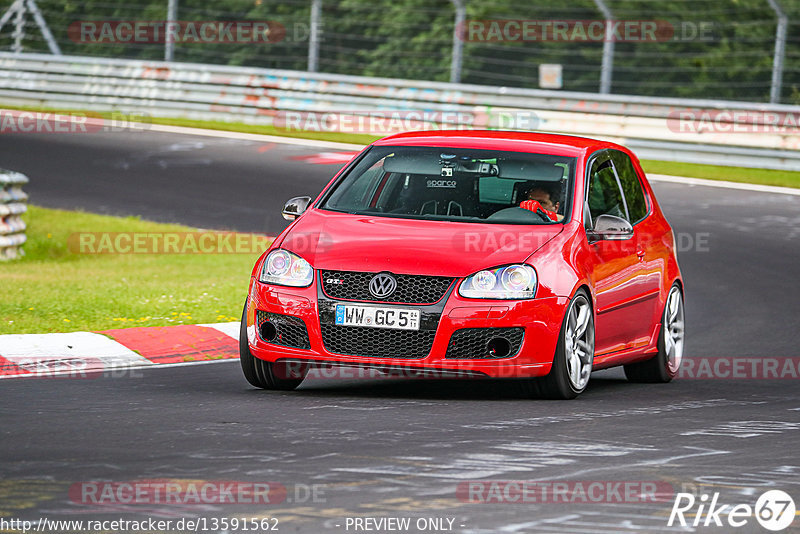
[
  {"x": 511, "y": 282},
  {"x": 286, "y": 269}
]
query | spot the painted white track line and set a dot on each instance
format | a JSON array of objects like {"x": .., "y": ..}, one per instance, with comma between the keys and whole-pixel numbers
[
  {"x": 83, "y": 369},
  {"x": 186, "y": 130},
  {"x": 721, "y": 183},
  {"x": 347, "y": 146}
]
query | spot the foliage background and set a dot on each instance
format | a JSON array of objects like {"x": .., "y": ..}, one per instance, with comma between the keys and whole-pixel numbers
[{"x": 413, "y": 39}]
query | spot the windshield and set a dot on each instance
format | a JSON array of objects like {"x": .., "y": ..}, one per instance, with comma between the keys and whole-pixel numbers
[{"x": 457, "y": 184}]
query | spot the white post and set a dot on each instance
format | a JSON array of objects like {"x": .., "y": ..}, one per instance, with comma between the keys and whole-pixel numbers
[
  {"x": 44, "y": 28},
  {"x": 18, "y": 8},
  {"x": 9, "y": 12},
  {"x": 780, "y": 52},
  {"x": 607, "y": 65},
  {"x": 313, "y": 36},
  {"x": 172, "y": 16},
  {"x": 458, "y": 41},
  {"x": 19, "y": 28}
]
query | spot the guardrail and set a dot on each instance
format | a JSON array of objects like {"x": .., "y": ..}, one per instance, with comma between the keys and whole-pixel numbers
[
  {"x": 12, "y": 205},
  {"x": 702, "y": 131}
]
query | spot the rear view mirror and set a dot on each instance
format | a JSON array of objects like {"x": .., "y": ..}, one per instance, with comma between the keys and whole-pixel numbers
[
  {"x": 295, "y": 207},
  {"x": 610, "y": 227}
]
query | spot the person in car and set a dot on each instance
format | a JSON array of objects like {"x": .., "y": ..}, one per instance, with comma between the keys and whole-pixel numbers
[{"x": 539, "y": 196}]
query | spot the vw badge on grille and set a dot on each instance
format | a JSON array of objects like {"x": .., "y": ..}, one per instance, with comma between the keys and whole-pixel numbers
[{"x": 382, "y": 285}]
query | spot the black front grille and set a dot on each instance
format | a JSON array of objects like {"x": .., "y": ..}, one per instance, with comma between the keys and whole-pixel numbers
[
  {"x": 473, "y": 343},
  {"x": 291, "y": 331},
  {"x": 377, "y": 342},
  {"x": 411, "y": 288}
]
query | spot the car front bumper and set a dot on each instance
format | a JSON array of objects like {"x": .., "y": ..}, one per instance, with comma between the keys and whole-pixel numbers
[{"x": 541, "y": 319}]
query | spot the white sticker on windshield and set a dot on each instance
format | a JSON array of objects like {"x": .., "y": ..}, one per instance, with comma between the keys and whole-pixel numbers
[{"x": 442, "y": 184}]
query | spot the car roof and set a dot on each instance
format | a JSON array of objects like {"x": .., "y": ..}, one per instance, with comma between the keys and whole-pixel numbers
[{"x": 515, "y": 141}]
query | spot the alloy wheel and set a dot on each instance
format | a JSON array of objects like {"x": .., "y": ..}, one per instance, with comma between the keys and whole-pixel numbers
[
  {"x": 674, "y": 329},
  {"x": 579, "y": 342}
]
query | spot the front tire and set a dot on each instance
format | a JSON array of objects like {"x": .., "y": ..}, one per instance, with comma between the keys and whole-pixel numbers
[
  {"x": 266, "y": 375},
  {"x": 664, "y": 366},
  {"x": 572, "y": 362}
]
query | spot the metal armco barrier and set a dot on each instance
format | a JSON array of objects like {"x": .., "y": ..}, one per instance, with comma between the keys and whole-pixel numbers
[
  {"x": 12, "y": 205},
  {"x": 698, "y": 131}
]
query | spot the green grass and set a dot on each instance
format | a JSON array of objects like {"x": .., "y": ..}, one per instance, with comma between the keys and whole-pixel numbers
[
  {"x": 709, "y": 172},
  {"x": 55, "y": 289},
  {"x": 339, "y": 137},
  {"x": 731, "y": 174}
]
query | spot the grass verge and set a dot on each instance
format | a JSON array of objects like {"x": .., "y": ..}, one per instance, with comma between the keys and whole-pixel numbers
[
  {"x": 730, "y": 174},
  {"x": 264, "y": 129},
  {"x": 55, "y": 289}
]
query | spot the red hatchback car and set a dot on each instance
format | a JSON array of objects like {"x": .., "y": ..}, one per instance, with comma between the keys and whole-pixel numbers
[{"x": 532, "y": 257}]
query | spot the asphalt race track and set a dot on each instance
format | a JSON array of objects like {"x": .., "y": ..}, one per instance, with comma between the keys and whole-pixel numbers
[
  {"x": 200, "y": 181},
  {"x": 395, "y": 447}
]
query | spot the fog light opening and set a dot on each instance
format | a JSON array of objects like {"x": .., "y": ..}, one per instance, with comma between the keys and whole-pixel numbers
[
  {"x": 498, "y": 347},
  {"x": 268, "y": 330}
]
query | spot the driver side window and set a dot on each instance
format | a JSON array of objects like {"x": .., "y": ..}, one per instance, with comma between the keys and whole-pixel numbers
[
  {"x": 359, "y": 192},
  {"x": 604, "y": 194}
]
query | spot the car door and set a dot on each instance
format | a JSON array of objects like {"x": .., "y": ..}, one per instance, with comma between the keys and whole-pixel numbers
[
  {"x": 616, "y": 266},
  {"x": 648, "y": 237}
]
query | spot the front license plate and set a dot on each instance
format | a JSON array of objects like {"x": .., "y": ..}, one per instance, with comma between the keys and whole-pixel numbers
[{"x": 377, "y": 317}]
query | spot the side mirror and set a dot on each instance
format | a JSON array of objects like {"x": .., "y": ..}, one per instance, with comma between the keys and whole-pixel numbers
[
  {"x": 610, "y": 227},
  {"x": 295, "y": 207}
]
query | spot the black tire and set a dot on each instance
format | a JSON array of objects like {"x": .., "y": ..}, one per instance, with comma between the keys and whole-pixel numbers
[
  {"x": 557, "y": 383},
  {"x": 658, "y": 369},
  {"x": 266, "y": 375}
]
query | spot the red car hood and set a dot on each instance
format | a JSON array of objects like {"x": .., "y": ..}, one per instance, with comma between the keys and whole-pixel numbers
[{"x": 339, "y": 241}]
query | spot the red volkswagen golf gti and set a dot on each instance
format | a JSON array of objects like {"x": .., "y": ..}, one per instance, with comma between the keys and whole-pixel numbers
[{"x": 532, "y": 257}]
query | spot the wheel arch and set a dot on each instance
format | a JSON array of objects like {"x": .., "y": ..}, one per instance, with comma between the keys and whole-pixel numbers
[
  {"x": 584, "y": 286},
  {"x": 679, "y": 281}
]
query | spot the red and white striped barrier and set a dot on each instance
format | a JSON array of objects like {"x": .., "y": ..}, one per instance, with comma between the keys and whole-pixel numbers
[{"x": 90, "y": 354}]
